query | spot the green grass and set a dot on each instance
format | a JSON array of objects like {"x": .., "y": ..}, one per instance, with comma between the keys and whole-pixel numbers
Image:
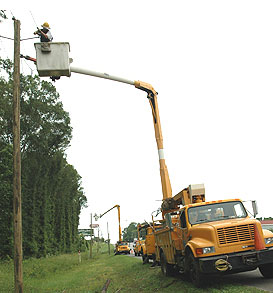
[{"x": 65, "y": 274}]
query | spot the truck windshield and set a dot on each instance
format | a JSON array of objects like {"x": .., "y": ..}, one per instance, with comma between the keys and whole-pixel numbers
[{"x": 216, "y": 212}]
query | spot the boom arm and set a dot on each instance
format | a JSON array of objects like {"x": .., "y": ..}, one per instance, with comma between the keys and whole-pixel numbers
[
  {"x": 118, "y": 207},
  {"x": 152, "y": 96},
  {"x": 164, "y": 174}
]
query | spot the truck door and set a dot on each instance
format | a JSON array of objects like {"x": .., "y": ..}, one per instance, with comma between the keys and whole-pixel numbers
[{"x": 184, "y": 229}]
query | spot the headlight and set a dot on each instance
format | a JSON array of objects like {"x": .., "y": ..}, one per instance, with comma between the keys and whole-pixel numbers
[
  {"x": 205, "y": 250},
  {"x": 268, "y": 240}
]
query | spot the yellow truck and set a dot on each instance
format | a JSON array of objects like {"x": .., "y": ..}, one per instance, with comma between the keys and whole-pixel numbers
[
  {"x": 203, "y": 239},
  {"x": 148, "y": 244},
  {"x": 121, "y": 247},
  {"x": 233, "y": 243},
  {"x": 137, "y": 247},
  {"x": 138, "y": 242}
]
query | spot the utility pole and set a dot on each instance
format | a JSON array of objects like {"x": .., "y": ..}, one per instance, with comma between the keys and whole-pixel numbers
[
  {"x": 108, "y": 240},
  {"x": 17, "y": 213},
  {"x": 98, "y": 246},
  {"x": 91, "y": 242}
]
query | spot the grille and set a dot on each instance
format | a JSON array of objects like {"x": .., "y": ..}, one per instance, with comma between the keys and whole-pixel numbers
[{"x": 235, "y": 234}]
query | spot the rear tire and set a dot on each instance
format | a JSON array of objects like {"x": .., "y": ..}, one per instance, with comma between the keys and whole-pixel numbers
[
  {"x": 166, "y": 268},
  {"x": 145, "y": 259},
  {"x": 267, "y": 270}
]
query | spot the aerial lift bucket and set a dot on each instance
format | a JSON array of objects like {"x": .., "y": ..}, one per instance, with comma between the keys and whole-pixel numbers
[{"x": 53, "y": 59}]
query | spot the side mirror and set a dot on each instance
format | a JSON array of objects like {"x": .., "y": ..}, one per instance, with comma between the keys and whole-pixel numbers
[{"x": 255, "y": 208}]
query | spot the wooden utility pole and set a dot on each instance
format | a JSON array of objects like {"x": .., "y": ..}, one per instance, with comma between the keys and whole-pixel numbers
[
  {"x": 98, "y": 246},
  {"x": 17, "y": 213},
  {"x": 108, "y": 240},
  {"x": 91, "y": 242}
]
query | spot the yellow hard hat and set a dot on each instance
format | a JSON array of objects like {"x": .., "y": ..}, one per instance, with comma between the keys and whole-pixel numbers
[{"x": 46, "y": 25}]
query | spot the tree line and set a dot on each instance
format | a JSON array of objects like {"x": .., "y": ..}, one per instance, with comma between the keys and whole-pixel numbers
[{"x": 52, "y": 195}]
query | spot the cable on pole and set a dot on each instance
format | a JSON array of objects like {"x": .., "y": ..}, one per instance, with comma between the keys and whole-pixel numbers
[
  {"x": 20, "y": 39},
  {"x": 7, "y": 38}
]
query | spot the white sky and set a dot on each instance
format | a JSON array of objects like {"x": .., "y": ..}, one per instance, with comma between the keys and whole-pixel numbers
[{"x": 212, "y": 65}]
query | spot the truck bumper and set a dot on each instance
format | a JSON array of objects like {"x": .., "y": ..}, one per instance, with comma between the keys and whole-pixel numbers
[
  {"x": 236, "y": 262},
  {"x": 124, "y": 252}
]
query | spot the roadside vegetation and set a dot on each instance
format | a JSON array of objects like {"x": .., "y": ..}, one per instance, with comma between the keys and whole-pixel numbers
[
  {"x": 65, "y": 273},
  {"x": 52, "y": 194}
]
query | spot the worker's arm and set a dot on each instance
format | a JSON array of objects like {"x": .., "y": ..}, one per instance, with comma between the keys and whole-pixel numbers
[{"x": 46, "y": 35}]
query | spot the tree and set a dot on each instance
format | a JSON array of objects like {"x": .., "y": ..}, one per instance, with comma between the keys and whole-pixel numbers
[
  {"x": 52, "y": 196},
  {"x": 6, "y": 200},
  {"x": 130, "y": 233},
  {"x": 3, "y": 15},
  {"x": 45, "y": 126}
]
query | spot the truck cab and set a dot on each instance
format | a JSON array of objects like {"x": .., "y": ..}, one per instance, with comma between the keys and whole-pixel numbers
[
  {"x": 216, "y": 237},
  {"x": 137, "y": 247},
  {"x": 148, "y": 243},
  {"x": 122, "y": 247}
]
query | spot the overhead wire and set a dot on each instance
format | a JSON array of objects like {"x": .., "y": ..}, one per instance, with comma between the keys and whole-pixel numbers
[
  {"x": 12, "y": 14},
  {"x": 25, "y": 61},
  {"x": 6, "y": 38},
  {"x": 33, "y": 18},
  {"x": 3, "y": 46},
  {"x": 24, "y": 39}
]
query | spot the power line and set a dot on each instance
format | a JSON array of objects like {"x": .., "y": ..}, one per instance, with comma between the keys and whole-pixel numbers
[
  {"x": 6, "y": 38},
  {"x": 33, "y": 18},
  {"x": 20, "y": 39},
  {"x": 29, "y": 38}
]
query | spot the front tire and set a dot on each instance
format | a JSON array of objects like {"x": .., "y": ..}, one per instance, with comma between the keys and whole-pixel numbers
[
  {"x": 266, "y": 270},
  {"x": 194, "y": 272}
]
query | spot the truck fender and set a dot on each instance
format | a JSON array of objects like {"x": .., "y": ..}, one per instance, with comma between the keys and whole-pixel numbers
[{"x": 189, "y": 250}]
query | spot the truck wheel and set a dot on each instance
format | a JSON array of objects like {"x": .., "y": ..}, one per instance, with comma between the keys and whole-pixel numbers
[
  {"x": 195, "y": 275},
  {"x": 166, "y": 268},
  {"x": 267, "y": 270},
  {"x": 145, "y": 258}
]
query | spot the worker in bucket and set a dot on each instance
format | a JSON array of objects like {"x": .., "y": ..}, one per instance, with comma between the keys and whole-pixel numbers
[{"x": 44, "y": 33}]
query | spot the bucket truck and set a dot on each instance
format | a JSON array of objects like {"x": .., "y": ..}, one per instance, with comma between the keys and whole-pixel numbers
[
  {"x": 121, "y": 247},
  {"x": 138, "y": 242},
  {"x": 223, "y": 239},
  {"x": 148, "y": 245}
]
